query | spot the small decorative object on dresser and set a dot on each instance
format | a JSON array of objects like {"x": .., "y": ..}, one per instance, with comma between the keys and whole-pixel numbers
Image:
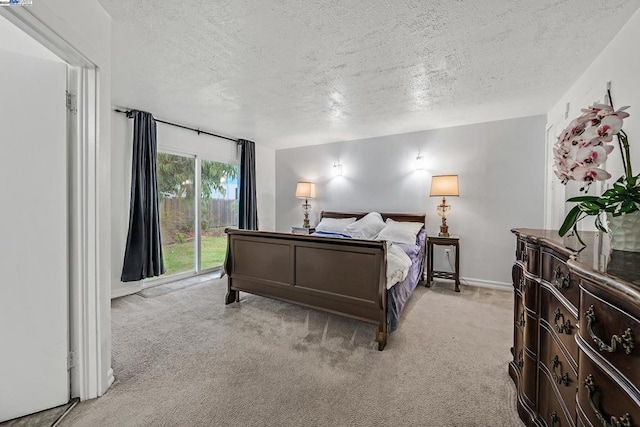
[
  {"x": 576, "y": 360},
  {"x": 579, "y": 152}
]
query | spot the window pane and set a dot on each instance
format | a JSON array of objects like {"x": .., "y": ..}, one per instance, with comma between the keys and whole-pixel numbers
[
  {"x": 177, "y": 211},
  {"x": 219, "y": 209}
]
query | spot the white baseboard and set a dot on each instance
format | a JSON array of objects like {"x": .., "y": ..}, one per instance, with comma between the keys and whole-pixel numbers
[
  {"x": 110, "y": 377},
  {"x": 487, "y": 283},
  {"x": 121, "y": 289}
]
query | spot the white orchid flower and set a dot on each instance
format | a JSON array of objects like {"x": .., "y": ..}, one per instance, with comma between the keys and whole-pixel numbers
[{"x": 593, "y": 155}]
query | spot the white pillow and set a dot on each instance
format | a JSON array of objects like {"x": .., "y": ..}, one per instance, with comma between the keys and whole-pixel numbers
[
  {"x": 334, "y": 225},
  {"x": 400, "y": 232},
  {"x": 366, "y": 227}
]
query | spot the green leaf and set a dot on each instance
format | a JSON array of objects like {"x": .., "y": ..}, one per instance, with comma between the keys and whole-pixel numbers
[
  {"x": 591, "y": 208},
  {"x": 628, "y": 206},
  {"x": 583, "y": 199},
  {"x": 570, "y": 220}
]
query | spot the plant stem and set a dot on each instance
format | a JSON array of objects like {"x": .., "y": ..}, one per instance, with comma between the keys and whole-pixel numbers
[
  {"x": 624, "y": 162},
  {"x": 575, "y": 231},
  {"x": 626, "y": 159},
  {"x": 622, "y": 141}
]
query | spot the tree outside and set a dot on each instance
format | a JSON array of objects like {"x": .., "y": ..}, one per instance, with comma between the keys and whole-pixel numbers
[{"x": 218, "y": 209}]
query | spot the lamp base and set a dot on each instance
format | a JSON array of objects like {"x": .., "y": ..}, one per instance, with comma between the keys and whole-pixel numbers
[
  {"x": 305, "y": 208},
  {"x": 444, "y": 228}
]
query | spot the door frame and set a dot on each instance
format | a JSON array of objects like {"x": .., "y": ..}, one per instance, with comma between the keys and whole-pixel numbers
[
  {"x": 85, "y": 324},
  {"x": 554, "y": 191}
]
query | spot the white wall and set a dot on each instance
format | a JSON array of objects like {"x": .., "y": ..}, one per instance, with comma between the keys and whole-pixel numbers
[
  {"x": 121, "y": 153},
  {"x": 266, "y": 187},
  {"x": 181, "y": 141},
  {"x": 618, "y": 63},
  {"x": 87, "y": 27},
  {"x": 501, "y": 173}
]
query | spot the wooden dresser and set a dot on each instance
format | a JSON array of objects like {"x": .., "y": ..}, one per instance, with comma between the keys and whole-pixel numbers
[{"x": 576, "y": 355}]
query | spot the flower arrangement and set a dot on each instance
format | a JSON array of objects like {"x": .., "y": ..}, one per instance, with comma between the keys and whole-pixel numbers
[{"x": 579, "y": 154}]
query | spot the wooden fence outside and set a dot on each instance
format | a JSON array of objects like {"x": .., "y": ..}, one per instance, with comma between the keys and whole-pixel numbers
[{"x": 178, "y": 214}]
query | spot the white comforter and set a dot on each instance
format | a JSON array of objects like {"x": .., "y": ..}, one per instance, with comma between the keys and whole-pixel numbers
[{"x": 398, "y": 264}]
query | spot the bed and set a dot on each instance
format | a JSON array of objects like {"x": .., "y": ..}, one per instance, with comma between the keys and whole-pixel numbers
[{"x": 344, "y": 276}]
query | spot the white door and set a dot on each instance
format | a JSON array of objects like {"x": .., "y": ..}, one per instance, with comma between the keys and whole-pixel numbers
[{"x": 33, "y": 239}]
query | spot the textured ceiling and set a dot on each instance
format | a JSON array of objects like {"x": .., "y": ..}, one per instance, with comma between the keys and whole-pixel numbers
[{"x": 287, "y": 73}]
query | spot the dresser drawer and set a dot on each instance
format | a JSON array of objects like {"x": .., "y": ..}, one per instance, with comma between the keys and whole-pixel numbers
[
  {"x": 521, "y": 247},
  {"x": 529, "y": 386},
  {"x": 600, "y": 397},
  {"x": 530, "y": 294},
  {"x": 561, "y": 371},
  {"x": 549, "y": 407},
  {"x": 613, "y": 334},
  {"x": 559, "y": 319},
  {"x": 556, "y": 273},
  {"x": 518, "y": 278},
  {"x": 518, "y": 349},
  {"x": 519, "y": 313},
  {"x": 531, "y": 259}
]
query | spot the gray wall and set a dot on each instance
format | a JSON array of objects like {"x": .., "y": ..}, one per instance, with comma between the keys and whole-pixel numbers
[{"x": 501, "y": 168}]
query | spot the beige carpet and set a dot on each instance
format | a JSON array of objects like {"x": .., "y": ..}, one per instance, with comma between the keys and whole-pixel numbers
[{"x": 186, "y": 359}]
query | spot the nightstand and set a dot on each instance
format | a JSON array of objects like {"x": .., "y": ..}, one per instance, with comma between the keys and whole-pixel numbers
[
  {"x": 443, "y": 241},
  {"x": 302, "y": 230}
]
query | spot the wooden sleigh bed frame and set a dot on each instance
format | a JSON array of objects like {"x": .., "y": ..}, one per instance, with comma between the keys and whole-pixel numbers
[{"x": 341, "y": 276}]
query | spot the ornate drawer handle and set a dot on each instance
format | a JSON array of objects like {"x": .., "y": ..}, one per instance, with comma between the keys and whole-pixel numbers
[
  {"x": 626, "y": 339},
  {"x": 560, "y": 379},
  {"x": 564, "y": 327},
  {"x": 521, "y": 321},
  {"x": 525, "y": 257},
  {"x": 553, "y": 419},
  {"x": 560, "y": 280},
  {"x": 624, "y": 421},
  {"x": 523, "y": 287},
  {"x": 520, "y": 359}
]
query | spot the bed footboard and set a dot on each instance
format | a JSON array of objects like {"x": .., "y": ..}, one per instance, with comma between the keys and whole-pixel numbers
[{"x": 341, "y": 276}]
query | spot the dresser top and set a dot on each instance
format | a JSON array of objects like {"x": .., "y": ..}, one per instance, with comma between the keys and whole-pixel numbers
[{"x": 596, "y": 258}]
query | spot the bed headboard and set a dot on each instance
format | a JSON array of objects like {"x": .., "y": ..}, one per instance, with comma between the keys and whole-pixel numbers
[{"x": 402, "y": 217}]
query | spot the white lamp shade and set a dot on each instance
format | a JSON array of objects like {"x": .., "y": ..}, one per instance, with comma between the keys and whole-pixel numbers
[
  {"x": 305, "y": 190},
  {"x": 444, "y": 185}
]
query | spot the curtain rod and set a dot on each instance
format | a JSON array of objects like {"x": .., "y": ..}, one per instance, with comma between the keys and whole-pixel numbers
[{"x": 198, "y": 131}]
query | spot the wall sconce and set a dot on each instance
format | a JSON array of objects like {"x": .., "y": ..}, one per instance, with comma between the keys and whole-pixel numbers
[
  {"x": 336, "y": 170},
  {"x": 444, "y": 186},
  {"x": 420, "y": 162}
]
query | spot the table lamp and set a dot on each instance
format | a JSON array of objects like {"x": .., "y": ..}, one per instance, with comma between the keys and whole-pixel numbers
[
  {"x": 444, "y": 186},
  {"x": 306, "y": 191}
]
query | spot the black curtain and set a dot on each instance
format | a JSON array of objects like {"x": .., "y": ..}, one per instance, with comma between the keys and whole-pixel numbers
[
  {"x": 248, "y": 215},
  {"x": 143, "y": 253}
]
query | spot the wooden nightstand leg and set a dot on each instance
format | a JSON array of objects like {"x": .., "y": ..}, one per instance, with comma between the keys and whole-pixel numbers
[
  {"x": 429, "y": 265},
  {"x": 457, "y": 276}
]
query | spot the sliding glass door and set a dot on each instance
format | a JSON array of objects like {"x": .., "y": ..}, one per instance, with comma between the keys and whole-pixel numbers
[
  {"x": 176, "y": 188},
  {"x": 218, "y": 208},
  {"x": 198, "y": 200}
]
